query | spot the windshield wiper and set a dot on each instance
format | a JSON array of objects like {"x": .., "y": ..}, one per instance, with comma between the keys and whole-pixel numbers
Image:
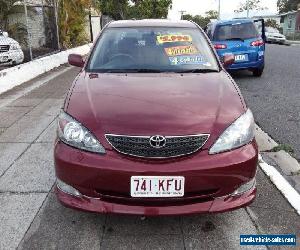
[
  {"x": 235, "y": 38},
  {"x": 148, "y": 70},
  {"x": 198, "y": 71}
]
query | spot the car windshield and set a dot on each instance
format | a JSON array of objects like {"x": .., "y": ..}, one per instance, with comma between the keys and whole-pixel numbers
[
  {"x": 235, "y": 31},
  {"x": 152, "y": 49},
  {"x": 272, "y": 30}
]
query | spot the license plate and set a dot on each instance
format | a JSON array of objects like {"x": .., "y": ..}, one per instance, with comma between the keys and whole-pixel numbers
[
  {"x": 241, "y": 58},
  {"x": 3, "y": 58},
  {"x": 157, "y": 186}
]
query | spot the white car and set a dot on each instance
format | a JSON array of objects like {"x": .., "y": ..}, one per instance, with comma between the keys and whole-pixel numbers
[
  {"x": 10, "y": 50},
  {"x": 274, "y": 36}
]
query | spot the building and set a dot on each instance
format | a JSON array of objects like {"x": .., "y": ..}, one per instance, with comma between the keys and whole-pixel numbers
[
  {"x": 269, "y": 17},
  {"x": 290, "y": 22}
]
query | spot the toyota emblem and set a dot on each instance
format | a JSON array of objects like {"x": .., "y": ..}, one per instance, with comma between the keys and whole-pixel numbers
[{"x": 157, "y": 141}]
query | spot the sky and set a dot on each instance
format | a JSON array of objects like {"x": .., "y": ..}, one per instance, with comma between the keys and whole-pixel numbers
[{"x": 199, "y": 7}]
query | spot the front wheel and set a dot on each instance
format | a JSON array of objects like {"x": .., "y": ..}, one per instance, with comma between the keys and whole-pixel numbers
[{"x": 258, "y": 72}]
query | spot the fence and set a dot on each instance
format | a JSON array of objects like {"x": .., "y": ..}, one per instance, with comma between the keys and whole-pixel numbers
[
  {"x": 293, "y": 35},
  {"x": 33, "y": 24}
]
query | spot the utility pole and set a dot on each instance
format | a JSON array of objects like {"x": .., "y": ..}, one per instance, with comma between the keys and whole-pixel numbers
[
  {"x": 182, "y": 12},
  {"x": 56, "y": 22},
  {"x": 91, "y": 27},
  {"x": 28, "y": 32},
  {"x": 247, "y": 4},
  {"x": 219, "y": 10}
]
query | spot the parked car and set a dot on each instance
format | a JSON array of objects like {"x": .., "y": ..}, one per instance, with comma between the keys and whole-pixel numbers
[
  {"x": 274, "y": 36},
  {"x": 241, "y": 38},
  {"x": 10, "y": 50},
  {"x": 154, "y": 125}
]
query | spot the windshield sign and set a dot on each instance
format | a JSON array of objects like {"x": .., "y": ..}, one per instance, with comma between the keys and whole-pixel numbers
[
  {"x": 238, "y": 31},
  {"x": 146, "y": 49}
]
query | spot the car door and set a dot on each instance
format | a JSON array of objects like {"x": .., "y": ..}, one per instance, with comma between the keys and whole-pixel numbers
[{"x": 260, "y": 25}]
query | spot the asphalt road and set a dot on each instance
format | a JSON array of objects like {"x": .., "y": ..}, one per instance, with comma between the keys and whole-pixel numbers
[
  {"x": 275, "y": 97},
  {"x": 31, "y": 217}
]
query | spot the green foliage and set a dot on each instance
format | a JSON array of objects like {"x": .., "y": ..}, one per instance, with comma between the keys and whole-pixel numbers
[
  {"x": 72, "y": 22},
  {"x": 272, "y": 23},
  {"x": 286, "y": 147},
  {"x": 15, "y": 30},
  {"x": 138, "y": 9},
  {"x": 287, "y": 5},
  {"x": 252, "y": 5},
  {"x": 117, "y": 9},
  {"x": 18, "y": 31},
  {"x": 149, "y": 9},
  {"x": 7, "y": 8},
  {"x": 202, "y": 21}
]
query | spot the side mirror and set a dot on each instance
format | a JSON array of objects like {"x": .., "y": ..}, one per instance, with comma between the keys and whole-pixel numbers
[
  {"x": 5, "y": 34},
  {"x": 228, "y": 60},
  {"x": 76, "y": 60}
]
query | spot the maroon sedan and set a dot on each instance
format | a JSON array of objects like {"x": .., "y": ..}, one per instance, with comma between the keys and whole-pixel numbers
[{"x": 154, "y": 125}]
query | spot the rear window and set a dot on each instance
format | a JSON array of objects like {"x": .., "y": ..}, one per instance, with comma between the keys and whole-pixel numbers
[
  {"x": 235, "y": 31},
  {"x": 152, "y": 48}
]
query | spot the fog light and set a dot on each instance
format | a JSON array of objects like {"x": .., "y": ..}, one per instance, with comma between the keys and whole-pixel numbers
[
  {"x": 67, "y": 188},
  {"x": 245, "y": 187}
]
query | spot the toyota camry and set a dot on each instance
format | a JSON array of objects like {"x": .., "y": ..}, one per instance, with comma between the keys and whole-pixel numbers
[{"x": 154, "y": 125}]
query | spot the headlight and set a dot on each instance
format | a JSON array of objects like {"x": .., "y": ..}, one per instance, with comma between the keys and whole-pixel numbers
[
  {"x": 15, "y": 46},
  {"x": 76, "y": 135},
  {"x": 239, "y": 133}
]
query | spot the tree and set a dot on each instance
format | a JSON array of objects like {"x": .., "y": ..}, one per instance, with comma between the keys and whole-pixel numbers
[
  {"x": 116, "y": 9},
  {"x": 139, "y": 9},
  {"x": 72, "y": 22},
  {"x": 212, "y": 14},
  {"x": 202, "y": 21},
  {"x": 250, "y": 5},
  {"x": 272, "y": 23},
  {"x": 287, "y": 5},
  {"x": 150, "y": 9}
]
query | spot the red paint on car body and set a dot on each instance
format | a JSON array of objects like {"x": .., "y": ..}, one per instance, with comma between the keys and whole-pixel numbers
[{"x": 155, "y": 104}]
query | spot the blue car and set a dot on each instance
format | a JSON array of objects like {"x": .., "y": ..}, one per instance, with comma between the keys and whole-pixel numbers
[{"x": 241, "y": 38}]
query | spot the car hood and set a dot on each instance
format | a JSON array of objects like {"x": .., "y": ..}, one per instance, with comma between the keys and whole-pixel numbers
[
  {"x": 274, "y": 34},
  {"x": 7, "y": 41},
  {"x": 155, "y": 104}
]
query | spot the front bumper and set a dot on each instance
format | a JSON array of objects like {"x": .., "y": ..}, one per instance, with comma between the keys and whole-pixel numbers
[
  {"x": 104, "y": 181},
  {"x": 276, "y": 40},
  {"x": 220, "y": 204},
  {"x": 248, "y": 65},
  {"x": 11, "y": 57}
]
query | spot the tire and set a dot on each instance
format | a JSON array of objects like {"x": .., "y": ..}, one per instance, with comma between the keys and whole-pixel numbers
[{"x": 258, "y": 72}]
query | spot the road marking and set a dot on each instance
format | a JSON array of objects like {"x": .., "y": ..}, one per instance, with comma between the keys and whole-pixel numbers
[
  {"x": 282, "y": 184},
  {"x": 35, "y": 85}
]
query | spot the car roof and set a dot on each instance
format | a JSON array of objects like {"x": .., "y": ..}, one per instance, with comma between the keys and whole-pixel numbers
[
  {"x": 233, "y": 21},
  {"x": 151, "y": 23}
]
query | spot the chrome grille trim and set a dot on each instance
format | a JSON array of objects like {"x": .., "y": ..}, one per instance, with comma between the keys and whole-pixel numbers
[
  {"x": 4, "y": 48},
  {"x": 139, "y": 146}
]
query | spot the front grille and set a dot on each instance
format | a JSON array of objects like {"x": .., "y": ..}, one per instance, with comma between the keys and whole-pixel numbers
[
  {"x": 4, "y": 48},
  {"x": 189, "y": 198},
  {"x": 139, "y": 146}
]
